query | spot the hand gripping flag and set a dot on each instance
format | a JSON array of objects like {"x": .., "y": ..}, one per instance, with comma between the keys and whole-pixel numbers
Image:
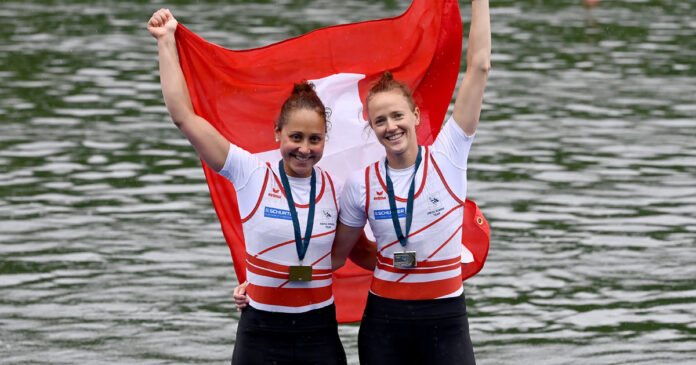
[{"x": 240, "y": 93}]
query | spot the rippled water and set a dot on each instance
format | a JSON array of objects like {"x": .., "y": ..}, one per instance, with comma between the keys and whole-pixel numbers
[{"x": 584, "y": 164}]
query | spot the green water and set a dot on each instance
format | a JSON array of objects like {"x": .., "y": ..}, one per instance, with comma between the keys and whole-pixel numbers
[{"x": 584, "y": 164}]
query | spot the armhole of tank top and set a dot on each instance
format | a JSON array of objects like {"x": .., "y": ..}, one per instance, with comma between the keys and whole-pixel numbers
[
  {"x": 425, "y": 172},
  {"x": 323, "y": 187},
  {"x": 333, "y": 191},
  {"x": 258, "y": 202},
  {"x": 444, "y": 182},
  {"x": 367, "y": 191}
]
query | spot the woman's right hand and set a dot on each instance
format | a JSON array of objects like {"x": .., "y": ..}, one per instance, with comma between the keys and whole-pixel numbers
[
  {"x": 240, "y": 298},
  {"x": 162, "y": 23}
]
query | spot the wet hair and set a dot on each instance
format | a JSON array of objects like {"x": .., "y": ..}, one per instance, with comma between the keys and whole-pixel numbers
[
  {"x": 388, "y": 83},
  {"x": 303, "y": 96}
]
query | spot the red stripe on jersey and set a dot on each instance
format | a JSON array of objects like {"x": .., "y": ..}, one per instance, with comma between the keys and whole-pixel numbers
[
  {"x": 293, "y": 241},
  {"x": 447, "y": 241},
  {"x": 284, "y": 275},
  {"x": 258, "y": 202},
  {"x": 289, "y": 297},
  {"x": 419, "y": 269},
  {"x": 424, "y": 228},
  {"x": 390, "y": 261},
  {"x": 416, "y": 291},
  {"x": 267, "y": 273},
  {"x": 278, "y": 267},
  {"x": 321, "y": 258}
]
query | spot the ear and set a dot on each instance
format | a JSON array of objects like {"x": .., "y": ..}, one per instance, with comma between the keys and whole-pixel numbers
[
  {"x": 416, "y": 111},
  {"x": 277, "y": 135}
]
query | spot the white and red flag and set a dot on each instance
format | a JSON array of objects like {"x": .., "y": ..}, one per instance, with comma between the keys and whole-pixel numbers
[{"x": 240, "y": 93}]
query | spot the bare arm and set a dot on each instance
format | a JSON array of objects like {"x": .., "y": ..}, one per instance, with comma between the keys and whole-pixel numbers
[
  {"x": 351, "y": 242},
  {"x": 467, "y": 106},
  {"x": 211, "y": 146}
]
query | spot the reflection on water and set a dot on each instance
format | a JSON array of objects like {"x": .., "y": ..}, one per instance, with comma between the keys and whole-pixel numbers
[{"x": 584, "y": 164}]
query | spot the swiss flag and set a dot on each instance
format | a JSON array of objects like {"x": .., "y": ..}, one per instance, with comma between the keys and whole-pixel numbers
[{"x": 240, "y": 94}]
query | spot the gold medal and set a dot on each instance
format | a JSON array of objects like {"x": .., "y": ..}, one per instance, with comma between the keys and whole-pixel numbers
[
  {"x": 300, "y": 273},
  {"x": 405, "y": 260}
]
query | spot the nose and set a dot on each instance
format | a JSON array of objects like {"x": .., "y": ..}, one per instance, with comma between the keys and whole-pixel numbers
[
  {"x": 304, "y": 148},
  {"x": 391, "y": 126}
]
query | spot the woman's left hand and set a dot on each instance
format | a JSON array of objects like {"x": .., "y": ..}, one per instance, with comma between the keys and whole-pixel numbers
[{"x": 240, "y": 298}]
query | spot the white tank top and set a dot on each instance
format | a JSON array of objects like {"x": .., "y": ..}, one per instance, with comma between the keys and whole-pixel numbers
[
  {"x": 271, "y": 248},
  {"x": 435, "y": 235}
]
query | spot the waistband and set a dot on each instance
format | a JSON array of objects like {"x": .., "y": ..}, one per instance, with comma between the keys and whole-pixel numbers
[
  {"x": 322, "y": 318},
  {"x": 387, "y": 308}
]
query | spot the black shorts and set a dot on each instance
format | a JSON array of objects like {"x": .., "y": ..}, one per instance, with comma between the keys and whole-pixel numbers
[
  {"x": 288, "y": 338},
  {"x": 415, "y": 332}
]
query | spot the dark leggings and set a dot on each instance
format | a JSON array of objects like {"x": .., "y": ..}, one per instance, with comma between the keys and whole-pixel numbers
[
  {"x": 415, "y": 332},
  {"x": 288, "y": 338}
]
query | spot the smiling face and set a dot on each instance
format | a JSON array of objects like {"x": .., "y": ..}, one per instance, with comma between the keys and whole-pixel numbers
[
  {"x": 302, "y": 140},
  {"x": 394, "y": 124}
]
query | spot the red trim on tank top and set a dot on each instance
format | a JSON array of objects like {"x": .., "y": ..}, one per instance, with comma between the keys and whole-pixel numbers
[
  {"x": 333, "y": 191},
  {"x": 420, "y": 189},
  {"x": 444, "y": 182},
  {"x": 280, "y": 185},
  {"x": 367, "y": 191},
  {"x": 258, "y": 202}
]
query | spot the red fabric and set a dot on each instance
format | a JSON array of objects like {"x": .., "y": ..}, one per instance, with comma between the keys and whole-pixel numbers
[{"x": 240, "y": 94}]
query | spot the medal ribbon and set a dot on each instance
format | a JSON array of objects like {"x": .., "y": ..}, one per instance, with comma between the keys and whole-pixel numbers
[
  {"x": 299, "y": 243},
  {"x": 409, "y": 203}
]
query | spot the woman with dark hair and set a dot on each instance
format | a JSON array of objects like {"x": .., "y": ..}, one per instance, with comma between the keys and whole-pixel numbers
[
  {"x": 290, "y": 317},
  {"x": 414, "y": 202}
]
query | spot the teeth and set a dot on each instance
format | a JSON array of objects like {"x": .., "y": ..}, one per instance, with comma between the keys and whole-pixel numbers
[
  {"x": 392, "y": 138},
  {"x": 302, "y": 158}
]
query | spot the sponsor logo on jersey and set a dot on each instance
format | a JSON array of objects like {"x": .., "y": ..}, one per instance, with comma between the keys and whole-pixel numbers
[
  {"x": 275, "y": 193},
  {"x": 275, "y": 213},
  {"x": 386, "y": 213},
  {"x": 380, "y": 196}
]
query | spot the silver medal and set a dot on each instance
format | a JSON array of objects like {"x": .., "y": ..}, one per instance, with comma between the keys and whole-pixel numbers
[{"x": 406, "y": 259}]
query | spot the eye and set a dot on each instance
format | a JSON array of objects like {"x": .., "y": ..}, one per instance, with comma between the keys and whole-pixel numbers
[
  {"x": 315, "y": 139},
  {"x": 296, "y": 137},
  {"x": 398, "y": 115},
  {"x": 379, "y": 121}
]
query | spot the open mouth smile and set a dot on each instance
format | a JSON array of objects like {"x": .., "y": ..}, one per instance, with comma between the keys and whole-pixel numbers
[{"x": 394, "y": 137}]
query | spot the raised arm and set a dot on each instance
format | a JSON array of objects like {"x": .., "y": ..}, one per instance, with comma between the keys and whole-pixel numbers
[
  {"x": 467, "y": 106},
  {"x": 211, "y": 146}
]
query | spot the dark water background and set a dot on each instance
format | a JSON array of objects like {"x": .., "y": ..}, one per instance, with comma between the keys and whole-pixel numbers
[{"x": 584, "y": 164}]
